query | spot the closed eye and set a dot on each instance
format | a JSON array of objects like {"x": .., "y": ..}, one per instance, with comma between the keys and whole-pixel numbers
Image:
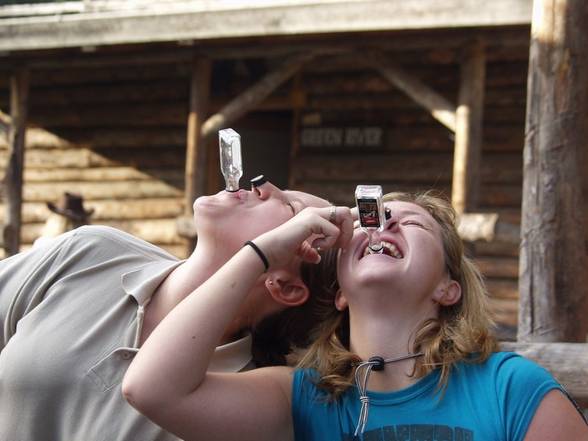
[
  {"x": 413, "y": 222},
  {"x": 289, "y": 204}
]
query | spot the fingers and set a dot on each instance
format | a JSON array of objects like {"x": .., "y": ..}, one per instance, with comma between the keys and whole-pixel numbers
[{"x": 334, "y": 227}]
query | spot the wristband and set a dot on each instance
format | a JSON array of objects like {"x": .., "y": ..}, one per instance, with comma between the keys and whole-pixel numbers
[{"x": 259, "y": 253}]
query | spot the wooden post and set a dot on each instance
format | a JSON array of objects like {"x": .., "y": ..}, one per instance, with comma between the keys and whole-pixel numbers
[
  {"x": 196, "y": 179},
  {"x": 254, "y": 95},
  {"x": 468, "y": 131},
  {"x": 19, "y": 89},
  {"x": 553, "y": 276}
]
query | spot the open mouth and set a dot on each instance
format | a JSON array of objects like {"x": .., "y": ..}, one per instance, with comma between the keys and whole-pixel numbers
[{"x": 388, "y": 248}]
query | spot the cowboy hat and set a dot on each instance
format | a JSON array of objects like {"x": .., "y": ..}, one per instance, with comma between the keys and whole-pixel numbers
[{"x": 71, "y": 205}]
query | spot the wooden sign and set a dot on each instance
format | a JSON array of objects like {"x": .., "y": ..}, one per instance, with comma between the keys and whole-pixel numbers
[{"x": 351, "y": 137}]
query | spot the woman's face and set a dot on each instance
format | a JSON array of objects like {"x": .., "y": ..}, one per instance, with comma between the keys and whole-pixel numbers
[
  {"x": 412, "y": 263},
  {"x": 244, "y": 215}
]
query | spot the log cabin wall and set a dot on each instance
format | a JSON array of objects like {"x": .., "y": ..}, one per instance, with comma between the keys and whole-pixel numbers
[{"x": 117, "y": 135}]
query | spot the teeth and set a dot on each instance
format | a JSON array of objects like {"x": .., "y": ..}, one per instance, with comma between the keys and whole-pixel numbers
[{"x": 392, "y": 249}]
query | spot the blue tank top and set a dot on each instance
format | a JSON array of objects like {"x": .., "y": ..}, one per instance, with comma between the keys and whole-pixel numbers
[{"x": 490, "y": 401}]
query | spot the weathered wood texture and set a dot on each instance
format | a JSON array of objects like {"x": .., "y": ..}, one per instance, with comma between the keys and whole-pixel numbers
[
  {"x": 554, "y": 256},
  {"x": 117, "y": 133},
  {"x": 19, "y": 89},
  {"x": 196, "y": 20},
  {"x": 468, "y": 131},
  {"x": 195, "y": 146}
]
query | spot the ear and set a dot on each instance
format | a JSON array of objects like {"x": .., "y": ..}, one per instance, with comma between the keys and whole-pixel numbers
[
  {"x": 447, "y": 293},
  {"x": 341, "y": 301},
  {"x": 286, "y": 288}
]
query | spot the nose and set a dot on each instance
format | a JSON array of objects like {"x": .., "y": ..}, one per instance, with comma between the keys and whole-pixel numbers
[
  {"x": 392, "y": 223},
  {"x": 262, "y": 188}
]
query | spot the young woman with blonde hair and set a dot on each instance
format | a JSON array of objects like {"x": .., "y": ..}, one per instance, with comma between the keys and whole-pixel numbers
[{"x": 410, "y": 324}]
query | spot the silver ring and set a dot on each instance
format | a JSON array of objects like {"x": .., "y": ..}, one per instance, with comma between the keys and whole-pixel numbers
[{"x": 333, "y": 214}]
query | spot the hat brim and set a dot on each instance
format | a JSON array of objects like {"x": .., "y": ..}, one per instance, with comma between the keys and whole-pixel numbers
[{"x": 74, "y": 215}]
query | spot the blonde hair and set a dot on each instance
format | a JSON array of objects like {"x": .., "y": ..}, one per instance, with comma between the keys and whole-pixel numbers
[{"x": 461, "y": 332}]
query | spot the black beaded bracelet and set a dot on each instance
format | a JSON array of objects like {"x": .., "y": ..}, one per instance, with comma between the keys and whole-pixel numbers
[{"x": 259, "y": 253}]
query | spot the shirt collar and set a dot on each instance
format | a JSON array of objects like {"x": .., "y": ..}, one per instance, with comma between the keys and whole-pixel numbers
[
  {"x": 232, "y": 357},
  {"x": 142, "y": 282}
]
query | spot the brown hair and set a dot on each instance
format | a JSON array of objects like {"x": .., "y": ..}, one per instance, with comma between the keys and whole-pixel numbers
[
  {"x": 459, "y": 333},
  {"x": 277, "y": 336}
]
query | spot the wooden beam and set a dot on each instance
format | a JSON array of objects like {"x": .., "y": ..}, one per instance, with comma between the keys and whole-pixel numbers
[
  {"x": 441, "y": 109},
  {"x": 13, "y": 180},
  {"x": 568, "y": 362},
  {"x": 196, "y": 146},
  {"x": 553, "y": 277},
  {"x": 468, "y": 132},
  {"x": 197, "y": 20},
  {"x": 487, "y": 227},
  {"x": 247, "y": 100}
]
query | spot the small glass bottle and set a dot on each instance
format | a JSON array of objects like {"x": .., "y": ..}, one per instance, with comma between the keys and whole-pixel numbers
[
  {"x": 371, "y": 213},
  {"x": 230, "y": 158}
]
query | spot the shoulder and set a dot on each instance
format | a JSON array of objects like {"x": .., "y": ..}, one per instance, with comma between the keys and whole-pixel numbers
[
  {"x": 517, "y": 385},
  {"x": 109, "y": 240}
]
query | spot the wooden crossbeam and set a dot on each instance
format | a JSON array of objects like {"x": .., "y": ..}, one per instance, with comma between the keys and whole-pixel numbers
[
  {"x": 440, "y": 108},
  {"x": 248, "y": 99},
  {"x": 197, "y": 20}
]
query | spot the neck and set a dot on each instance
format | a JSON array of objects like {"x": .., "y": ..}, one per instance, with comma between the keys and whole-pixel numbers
[
  {"x": 204, "y": 261},
  {"x": 388, "y": 335}
]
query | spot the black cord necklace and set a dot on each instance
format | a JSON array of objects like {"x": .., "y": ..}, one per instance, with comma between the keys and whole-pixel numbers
[{"x": 375, "y": 363}]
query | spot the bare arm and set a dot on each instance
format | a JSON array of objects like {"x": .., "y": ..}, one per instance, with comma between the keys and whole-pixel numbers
[
  {"x": 167, "y": 380},
  {"x": 556, "y": 419}
]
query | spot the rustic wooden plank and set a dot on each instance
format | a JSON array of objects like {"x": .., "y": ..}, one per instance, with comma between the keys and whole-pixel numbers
[
  {"x": 500, "y": 267},
  {"x": 487, "y": 227},
  {"x": 274, "y": 19},
  {"x": 161, "y": 231},
  {"x": 94, "y": 174},
  {"x": 119, "y": 209},
  {"x": 41, "y": 192},
  {"x": 568, "y": 362},
  {"x": 468, "y": 132},
  {"x": 247, "y": 100},
  {"x": 19, "y": 89},
  {"x": 441, "y": 109},
  {"x": 554, "y": 257},
  {"x": 423, "y": 167}
]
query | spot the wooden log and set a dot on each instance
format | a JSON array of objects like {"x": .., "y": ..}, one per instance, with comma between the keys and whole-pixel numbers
[
  {"x": 497, "y": 248},
  {"x": 432, "y": 167},
  {"x": 41, "y": 192},
  {"x": 487, "y": 227},
  {"x": 554, "y": 257},
  {"x": 108, "y": 209},
  {"x": 161, "y": 231},
  {"x": 98, "y": 174},
  {"x": 568, "y": 362},
  {"x": 500, "y": 267},
  {"x": 255, "y": 94},
  {"x": 439, "y": 107},
  {"x": 504, "y": 310},
  {"x": 13, "y": 179},
  {"x": 196, "y": 151},
  {"x": 468, "y": 133},
  {"x": 192, "y": 21},
  {"x": 503, "y": 289}
]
